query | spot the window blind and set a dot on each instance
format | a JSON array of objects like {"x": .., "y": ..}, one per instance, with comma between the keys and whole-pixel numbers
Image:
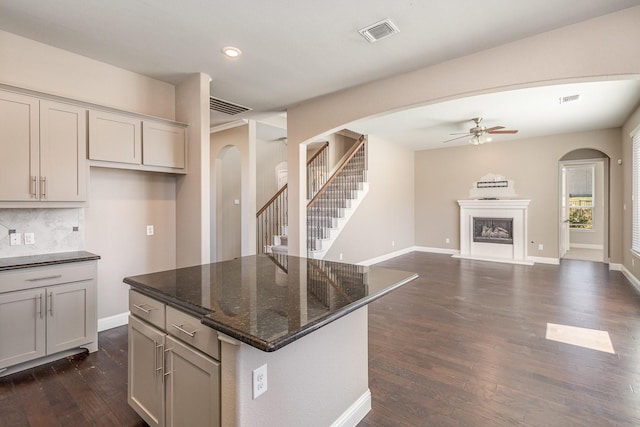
[{"x": 635, "y": 223}]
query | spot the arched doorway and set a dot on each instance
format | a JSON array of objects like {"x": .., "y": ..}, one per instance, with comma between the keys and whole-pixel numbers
[{"x": 584, "y": 205}]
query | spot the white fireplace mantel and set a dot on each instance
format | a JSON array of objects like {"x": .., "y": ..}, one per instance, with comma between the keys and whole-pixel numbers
[{"x": 515, "y": 253}]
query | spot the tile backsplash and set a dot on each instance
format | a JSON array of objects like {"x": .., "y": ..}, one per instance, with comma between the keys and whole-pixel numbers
[{"x": 53, "y": 230}]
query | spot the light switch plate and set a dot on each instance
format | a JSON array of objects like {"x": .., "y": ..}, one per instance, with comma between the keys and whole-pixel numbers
[{"x": 29, "y": 238}]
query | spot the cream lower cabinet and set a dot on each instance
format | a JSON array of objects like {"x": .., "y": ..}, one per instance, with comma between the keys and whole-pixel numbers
[
  {"x": 170, "y": 382},
  {"x": 46, "y": 320}
]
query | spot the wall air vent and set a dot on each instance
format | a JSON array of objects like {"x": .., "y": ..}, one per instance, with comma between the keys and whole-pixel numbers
[
  {"x": 570, "y": 98},
  {"x": 379, "y": 31},
  {"x": 226, "y": 107}
]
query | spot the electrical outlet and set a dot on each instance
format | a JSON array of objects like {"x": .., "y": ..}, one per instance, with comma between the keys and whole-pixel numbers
[
  {"x": 15, "y": 239},
  {"x": 29, "y": 238},
  {"x": 393, "y": 243},
  {"x": 259, "y": 381},
  {"x": 149, "y": 230},
  {"x": 340, "y": 257},
  {"x": 447, "y": 240},
  {"x": 540, "y": 247}
]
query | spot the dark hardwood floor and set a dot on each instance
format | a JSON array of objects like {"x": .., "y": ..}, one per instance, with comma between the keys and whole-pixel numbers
[{"x": 463, "y": 345}]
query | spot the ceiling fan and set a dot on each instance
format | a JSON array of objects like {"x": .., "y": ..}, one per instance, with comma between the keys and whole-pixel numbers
[{"x": 479, "y": 133}]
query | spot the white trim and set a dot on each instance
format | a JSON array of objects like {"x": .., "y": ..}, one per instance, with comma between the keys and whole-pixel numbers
[
  {"x": 436, "y": 250},
  {"x": 585, "y": 246},
  {"x": 615, "y": 267},
  {"x": 356, "y": 412},
  {"x": 545, "y": 260},
  {"x": 630, "y": 277},
  {"x": 490, "y": 259},
  {"x": 113, "y": 321},
  {"x": 385, "y": 257}
]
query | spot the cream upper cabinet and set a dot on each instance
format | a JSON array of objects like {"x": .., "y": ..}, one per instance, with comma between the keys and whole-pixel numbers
[
  {"x": 115, "y": 138},
  {"x": 42, "y": 150},
  {"x": 19, "y": 146},
  {"x": 163, "y": 145},
  {"x": 63, "y": 152}
]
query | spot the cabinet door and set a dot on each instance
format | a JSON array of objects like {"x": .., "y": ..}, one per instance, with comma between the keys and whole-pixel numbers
[
  {"x": 145, "y": 391},
  {"x": 114, "y": 138},
  {"x": 19, "y": 145},
  {"x": 163, "y": 145},
  {"x": 71, "y": 315},
  {"x": 192, "y": 387},
  {"x": 63, "y": 152},
  {"x": 22, "y": 326}
]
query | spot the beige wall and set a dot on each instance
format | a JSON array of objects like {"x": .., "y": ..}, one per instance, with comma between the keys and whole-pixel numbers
[
  {"x": 598, "y": 48},
  {"x": 228, "y": 190},
  {"x": 446, "y": 175},
  {"x": 630, "y": 261},
  {"x": 122, "y": 203},
  {"x": 268, "y": 155},
  {"x": 386, "y": 214},
  {"x": 32, "y": 65}
]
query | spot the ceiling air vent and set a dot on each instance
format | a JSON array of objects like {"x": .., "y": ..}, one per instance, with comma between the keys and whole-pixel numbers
[
  {"x": 570, "y": 98},
  {"x": 226, "y": 107},
  {"x": 379, "y": 31}
]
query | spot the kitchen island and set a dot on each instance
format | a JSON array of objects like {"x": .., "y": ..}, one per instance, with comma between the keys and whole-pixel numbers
[{"x": 274, "y": 340}]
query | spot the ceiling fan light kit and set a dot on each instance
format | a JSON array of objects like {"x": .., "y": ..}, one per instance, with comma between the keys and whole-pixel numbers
[{"x": 479, "y": 134}]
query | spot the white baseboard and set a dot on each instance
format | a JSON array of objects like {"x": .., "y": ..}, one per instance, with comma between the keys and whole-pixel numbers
[
  {"x": 436, "y": 250},
  {"x": 633, "y": 279},
  {"x": 615, "y": 267},
  {"x": 113, "y": 321},
  {"x": 356, "y": 412},
  {"x": 385, "y": 257},
  {"x": 585, "y": 246},
  {"x": 545, "y": 260}
]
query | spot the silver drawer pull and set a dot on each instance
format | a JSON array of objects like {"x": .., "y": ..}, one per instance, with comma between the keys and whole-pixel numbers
[
  {"x": 144, "y": 310},
  {"x": 37, "y": 279},
  {"x": 184, "y": 331}
]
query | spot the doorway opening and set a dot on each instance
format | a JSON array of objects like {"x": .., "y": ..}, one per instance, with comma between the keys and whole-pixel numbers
[
  {"x": 227, "y": 204},
  {"x": 584, "y": 206}
]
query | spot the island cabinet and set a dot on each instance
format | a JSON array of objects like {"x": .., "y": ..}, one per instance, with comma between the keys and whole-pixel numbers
[
  {"x": 45, "y": 311},
  {"x": 174, "y": 368},
  {"x": 43, "y": 154},
  {"x": 123, "y": 141}
]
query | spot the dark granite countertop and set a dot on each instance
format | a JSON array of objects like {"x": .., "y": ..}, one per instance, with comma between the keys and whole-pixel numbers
[
  {"x": 270, "y": 301},
  {"x": 29, "y": 261}
]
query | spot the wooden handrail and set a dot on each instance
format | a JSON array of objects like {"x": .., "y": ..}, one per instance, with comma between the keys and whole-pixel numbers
[
  {"x": 317, "y": 153},
  {"x": 275, "y": 196},
  {"x": 342, "y": 166}
]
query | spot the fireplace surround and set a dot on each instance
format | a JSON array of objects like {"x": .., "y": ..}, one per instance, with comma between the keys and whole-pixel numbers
[{"x": 504, "y": 222}]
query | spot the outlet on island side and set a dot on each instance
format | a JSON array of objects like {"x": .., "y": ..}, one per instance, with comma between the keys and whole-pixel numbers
[
  {"x": 149, "y": 230},
  {"x": 259, "y": 381}
]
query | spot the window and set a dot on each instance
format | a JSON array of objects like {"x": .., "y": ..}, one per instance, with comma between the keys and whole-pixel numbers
[
  {"x": 580, "y": 183},
  {"x": 635, "y": 196}
]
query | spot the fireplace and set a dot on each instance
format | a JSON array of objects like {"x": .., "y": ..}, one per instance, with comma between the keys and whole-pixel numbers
[{"x": 493, "y": 230}]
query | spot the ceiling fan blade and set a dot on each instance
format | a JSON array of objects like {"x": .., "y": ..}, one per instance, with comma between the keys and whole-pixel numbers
[
  {"x": 506, "y": 131},
  {"x": 494, "y": 128},
  {"x": 466, "y": 135}
]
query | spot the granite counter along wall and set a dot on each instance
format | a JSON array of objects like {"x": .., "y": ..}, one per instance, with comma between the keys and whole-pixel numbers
[{"x": 53, "y": 230}]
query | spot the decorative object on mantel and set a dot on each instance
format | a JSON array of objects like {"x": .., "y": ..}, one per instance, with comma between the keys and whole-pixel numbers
[{"x": 492, "y": 187}]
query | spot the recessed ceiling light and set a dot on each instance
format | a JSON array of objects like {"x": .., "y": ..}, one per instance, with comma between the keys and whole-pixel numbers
[{"x": 231, "y": 52}]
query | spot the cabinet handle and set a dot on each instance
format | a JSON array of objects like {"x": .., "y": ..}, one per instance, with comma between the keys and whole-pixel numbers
[
  {"x": 51, "y": 303},
  {"x": 184, "y": 331},
  {"x": 40, "y": 310},
  {"x": 155, "y": 358},
  {"x": 43, "y": 189},
  {"x": 165, "y": 374},
  {"x": 37, "y": 279},
  {"x": 34, "y": 187},
  {"x": 142, "y": 309}
]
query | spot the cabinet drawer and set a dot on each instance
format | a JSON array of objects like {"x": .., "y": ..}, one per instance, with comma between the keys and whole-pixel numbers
[
  {"x": 37, "y": 277},
  {"x": 147, "y": 308},
  {"x": 189, "y": 329}
]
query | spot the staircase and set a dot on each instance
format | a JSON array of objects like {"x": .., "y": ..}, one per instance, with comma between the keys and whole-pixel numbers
[
  {"x": 333, "y": 199},
  {"x": 331, "y": 208}
]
